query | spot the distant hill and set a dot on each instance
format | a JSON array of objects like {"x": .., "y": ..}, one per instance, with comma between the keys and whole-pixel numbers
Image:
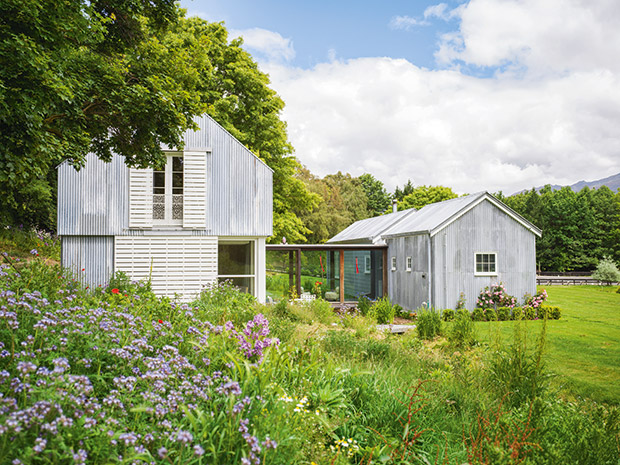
[{"x": 613, "y": 182}]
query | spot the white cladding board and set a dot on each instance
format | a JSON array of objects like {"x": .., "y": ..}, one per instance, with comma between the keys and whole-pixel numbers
[
  {"x": 175, "y": 264},
  {"x": 140, "y": 198},
  {"x": 195, "y": 189}
]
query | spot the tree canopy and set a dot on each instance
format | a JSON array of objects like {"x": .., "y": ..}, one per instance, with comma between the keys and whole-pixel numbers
[
  {"x": 378, "y": 198},
  {"x": 423, "y": 195},
  {"x": 125, "y": 76}
]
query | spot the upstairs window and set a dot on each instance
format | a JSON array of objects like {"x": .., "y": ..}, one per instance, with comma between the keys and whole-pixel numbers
[
  {"x": 393, "y": 263},
  {"x": 168, "y": 192},
  {"x": 409, "y": 263},
  {"x": 486, "y": 264}
]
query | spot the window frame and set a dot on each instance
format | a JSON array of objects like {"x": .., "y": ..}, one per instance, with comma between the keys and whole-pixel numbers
[
  {"x": 253, "y": 254},
  {"x": 168, "y": 171},
  {"x": 488, "y": 262},
  {"x": 367, "y": 265},
  {"x": 393, "y": 267},
  {"x": 409, "y": 263}
]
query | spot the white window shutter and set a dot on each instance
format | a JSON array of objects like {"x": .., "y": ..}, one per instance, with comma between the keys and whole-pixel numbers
[
  {"x": 140, "y": 198},
  {"x": 194, "y": 190}
]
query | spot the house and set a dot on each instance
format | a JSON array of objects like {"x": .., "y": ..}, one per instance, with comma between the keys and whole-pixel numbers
[
  {"x": 452, "y": 247},
  {"x": 204, "y": 217}
]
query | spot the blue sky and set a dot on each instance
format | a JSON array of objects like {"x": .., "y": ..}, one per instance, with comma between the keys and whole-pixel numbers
[
  {"x": 471, "y": 94},
  {"x": 351, "y": 29}
]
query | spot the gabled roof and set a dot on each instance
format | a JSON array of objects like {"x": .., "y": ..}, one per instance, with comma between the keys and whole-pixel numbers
[
  {"x": 436, "y": 216},
  {"x": 369, "y": 231}
]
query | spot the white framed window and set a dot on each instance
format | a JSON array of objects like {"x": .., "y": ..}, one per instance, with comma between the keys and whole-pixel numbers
[
  {"x": 409, "y": 263},
  {"x": 236, "y": 263},
  {"x": 168, "y": 191},
  {"x": 393, "y": 263},
  {"x": 367, "y": 265},
  {"x": 485, "y": 264}
]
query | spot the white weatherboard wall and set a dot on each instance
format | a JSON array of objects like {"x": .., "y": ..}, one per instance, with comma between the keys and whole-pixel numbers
[{"x": 176, "y": 264}]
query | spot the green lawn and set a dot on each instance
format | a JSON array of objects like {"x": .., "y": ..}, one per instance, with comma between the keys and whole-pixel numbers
[{"x": 583, "y": 347}]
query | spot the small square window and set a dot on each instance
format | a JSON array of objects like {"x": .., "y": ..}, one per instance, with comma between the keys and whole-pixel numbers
[
  {"x": 367, "y": 265},
  {"x": 393, "y": 263},
  {"x": 409, "y": 263},
  {"x": 486, "y": 264}
]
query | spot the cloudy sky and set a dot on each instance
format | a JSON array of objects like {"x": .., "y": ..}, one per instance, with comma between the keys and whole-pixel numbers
[{"x": 474, "y": 95}]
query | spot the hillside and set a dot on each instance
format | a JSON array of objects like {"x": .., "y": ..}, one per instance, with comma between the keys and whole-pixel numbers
[{"x": 613, "y": 182}]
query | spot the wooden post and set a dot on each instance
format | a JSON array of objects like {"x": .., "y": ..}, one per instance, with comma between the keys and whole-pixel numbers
[
  {"x": 385, "y": 273},
  {"x": 291, "y": 279},
  {"x": 341, "y": 276},
  {"x": 332, "y": 270},
  {"x": 298, "y": 271}
]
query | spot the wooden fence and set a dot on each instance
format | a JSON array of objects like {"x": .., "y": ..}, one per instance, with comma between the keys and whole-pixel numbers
[{"x": 569, "y": 280}]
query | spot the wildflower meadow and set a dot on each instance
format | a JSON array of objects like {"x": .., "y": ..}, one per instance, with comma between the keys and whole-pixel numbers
[{"x": 118, "y": 375}]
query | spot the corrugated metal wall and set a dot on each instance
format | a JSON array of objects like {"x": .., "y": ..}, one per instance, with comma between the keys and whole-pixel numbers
[
  {"x": 483, "y": 229},
  {"x": 94, "y": 200},
  {"x": 90, "y": 258},
  {"x": 409, "y": 289}
]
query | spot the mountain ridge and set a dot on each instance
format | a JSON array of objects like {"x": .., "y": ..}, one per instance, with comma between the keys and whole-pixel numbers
[{"x": 613, "y": 182}]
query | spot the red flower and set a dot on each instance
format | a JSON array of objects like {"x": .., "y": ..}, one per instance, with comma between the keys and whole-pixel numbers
[
  {"x": 83, "y": 269},
  {"x": 114, "y": 291},
  {"x": 159, "y": 321}
]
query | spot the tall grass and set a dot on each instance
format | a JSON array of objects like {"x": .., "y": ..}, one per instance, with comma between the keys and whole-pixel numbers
[{"x": 100, "y": 376}]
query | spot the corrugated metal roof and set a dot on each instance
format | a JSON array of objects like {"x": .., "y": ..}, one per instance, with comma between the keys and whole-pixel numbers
[
  {"x": 436, "y": 216},
  {"x": 433, "y": 215},
  {"x": 369, "y": 231}
]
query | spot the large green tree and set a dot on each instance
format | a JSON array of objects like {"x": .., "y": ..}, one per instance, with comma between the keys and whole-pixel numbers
[
  {"x": 343, "y": 201},
  {"x": 378, "y": 198},
  {"x": 125, "y": 76},
  {"x": 237, "y": 95},
  {"x": 423, "y": 195},
  {"x": 80, "y": 76}
]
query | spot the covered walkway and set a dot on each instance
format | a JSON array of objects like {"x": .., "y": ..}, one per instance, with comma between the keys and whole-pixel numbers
[{"x": 345, "y": 271}]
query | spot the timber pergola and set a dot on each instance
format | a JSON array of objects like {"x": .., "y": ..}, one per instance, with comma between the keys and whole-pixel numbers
[{"x": 295, "y": 250}]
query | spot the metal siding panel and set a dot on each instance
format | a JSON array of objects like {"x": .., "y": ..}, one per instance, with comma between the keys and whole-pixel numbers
[
  {"x": 485, "y": 229},
  {"x": 89, "y": 258},
  {"x": 409, "y": 289},
  {"x": 93, "y": 200}
]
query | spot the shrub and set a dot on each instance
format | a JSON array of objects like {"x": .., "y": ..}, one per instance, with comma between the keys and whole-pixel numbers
[
  {"x": 428, "y": 323},
  {"x": 529, "y": 312},
  {"x": 460, "y": 304},
  {"x": 448, "y": 314},
  {"x": 462, "y": 333},
  {"x": 322, "y": 310},
  {"x": 517, "y": 313},
  {"x": 463, "y": 312},
  {"x": 478, "y": 315},
  {"x": 607, "y": 271},
  {"x": 383, "y": 311},
  {"x": 503, "y": 313},
  {"x": 494, "y": 297},
  {"x": 534, "y": 301},
  {"x": 363, "y": 305},
  {"x": 549, "y": 312},
  {"x": 224, "y": 302}
]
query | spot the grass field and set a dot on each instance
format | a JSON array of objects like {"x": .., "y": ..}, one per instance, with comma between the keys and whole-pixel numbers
[{"x": 583, "y": 347}]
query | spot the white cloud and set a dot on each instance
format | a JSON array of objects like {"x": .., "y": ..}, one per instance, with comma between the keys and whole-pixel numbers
[
  {"x": 406, "y": 22},
  {"x": 266, "y": 45},
  {"x": 397, "y": 121},
  {"x": 556, "y": 121},
  {"x": 550, "y": 36}
]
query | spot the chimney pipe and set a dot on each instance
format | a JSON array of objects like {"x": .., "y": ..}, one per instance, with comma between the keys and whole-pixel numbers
[{"x": 394, "y": 206}]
